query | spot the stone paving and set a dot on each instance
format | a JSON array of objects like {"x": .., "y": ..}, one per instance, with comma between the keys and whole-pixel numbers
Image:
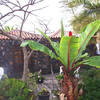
[{"x": 50, "y": 83}]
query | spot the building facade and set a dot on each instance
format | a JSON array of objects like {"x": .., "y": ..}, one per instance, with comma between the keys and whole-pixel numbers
[{"x": 11, "y": 56}]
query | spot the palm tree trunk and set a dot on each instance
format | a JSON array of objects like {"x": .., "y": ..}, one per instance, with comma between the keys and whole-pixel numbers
[{"x": 69, "y": 90}]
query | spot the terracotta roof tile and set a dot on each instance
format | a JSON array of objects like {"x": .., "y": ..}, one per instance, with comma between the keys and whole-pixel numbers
[
  {"x": 28, "y": 35},
  {"x": 58, "y": 34},
  {"x": 25, "y": 35}
]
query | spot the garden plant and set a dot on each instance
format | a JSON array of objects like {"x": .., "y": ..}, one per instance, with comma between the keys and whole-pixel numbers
[
  {"x": 14, "y": 89},
  {"x": 91, "y": 84},
  {"x": 70, "y": 53},
  {"x": 38, "y": 77},
  {"x": 43, "y": 94}
]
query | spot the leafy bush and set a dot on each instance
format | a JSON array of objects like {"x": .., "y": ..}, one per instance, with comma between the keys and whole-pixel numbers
[
  {"x": 13, "y": 89},
  {"x": 38, "y": 77},
  {"x": 44, "y": 91},
  {"x": 91, "y": 85},
  {"x": 31, "y": 81},
  {"x": 60, "y": 77}
]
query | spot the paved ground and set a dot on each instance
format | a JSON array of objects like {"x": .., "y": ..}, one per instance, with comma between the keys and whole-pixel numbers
[{"x": 50, "y": 83}]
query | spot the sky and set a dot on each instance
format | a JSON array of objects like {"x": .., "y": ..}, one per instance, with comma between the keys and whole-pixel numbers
[
  {"x": 51, "y": 15},
  {"x": 54, "y": 13}
]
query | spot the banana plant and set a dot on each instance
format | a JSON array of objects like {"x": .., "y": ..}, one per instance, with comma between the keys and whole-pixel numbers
[{"x": 69, "y": 51}]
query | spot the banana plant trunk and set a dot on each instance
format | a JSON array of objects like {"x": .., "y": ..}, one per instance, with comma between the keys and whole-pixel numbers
[{"x": 69, "y": 87}]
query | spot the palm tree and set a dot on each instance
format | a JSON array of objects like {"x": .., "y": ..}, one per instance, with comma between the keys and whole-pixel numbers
[
  {"x": 69, "y": 53},
  {"x": 90, "y": 13}
]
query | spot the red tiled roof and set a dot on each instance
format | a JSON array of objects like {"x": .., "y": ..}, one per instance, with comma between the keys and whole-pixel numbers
[
  {"x": 58, "y": 34},
  {"x": 28, "y": 35},
  {"x": 24, "y": 35}
]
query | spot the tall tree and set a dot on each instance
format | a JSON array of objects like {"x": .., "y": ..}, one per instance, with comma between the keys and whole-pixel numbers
[
  {"x": 89, "y": 13},
  {"x": 13, "y": 11}
]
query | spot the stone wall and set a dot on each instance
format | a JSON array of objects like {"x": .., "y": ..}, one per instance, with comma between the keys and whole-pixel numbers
[
  {"x": 9, "y": 50},
  {"x": 39, "y": 60},
  {"x": 11, "y": 59}
]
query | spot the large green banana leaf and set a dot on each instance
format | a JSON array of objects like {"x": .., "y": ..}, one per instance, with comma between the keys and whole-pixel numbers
[
  {"x": 23, "y": 44},
  {"x": 76, "y": 48},
  {"x": 62, "y": 29},
  {"x": 39, "y": 47},
  {"x": 79, "y": 63},
  {"x": 92, "y": 61},
  {"x": 55, "y": 45},
  {"x": 86, "y": 35},
  {"x": 69, "y": 47}
]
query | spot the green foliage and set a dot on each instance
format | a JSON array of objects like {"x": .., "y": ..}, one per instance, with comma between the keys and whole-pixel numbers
[
  {"x": 60, "y": 77},
  {"x": 31, "y": 81},
  {"x": 80, "y": 22},
  {"x": 93, "y": 61},
  {"x": 7, "y": 28},
  {"x": 89, "y": 13},
  {"x": 56, "y": 93},
  {"x": 39, "y": 47},
  {"x": 38, "y": 77},
  {"x": 13, "y": 89},
  {"x": 55, "y": 45},
  {"x": 91, "y": 79},
  {"x": 44, "y": 91},
  {"x": 62, "y": 29},
  {"x": 69, "y": 52},
  {"x": 87, "y": 34},
  {"x": 74, "y": 3},
  {"x": 25, "y": 43},
  {"x": 86, "y": 3},
  {"x": 73, "y": 48}
]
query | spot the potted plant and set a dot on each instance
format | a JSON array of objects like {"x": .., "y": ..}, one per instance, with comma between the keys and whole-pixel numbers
[
  {"x": 70, "y": 53},
  {"x": 43, "y": 94},
  {"x": 59, "y": 77},
  {"x": 56, "y": 93},
  {"x": 38, "y": 77}
]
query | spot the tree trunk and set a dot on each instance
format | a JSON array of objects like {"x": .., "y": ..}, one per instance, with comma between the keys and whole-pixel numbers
[
  {"x": 69, "y": 90},
  {"x": 25, "y": 67}
]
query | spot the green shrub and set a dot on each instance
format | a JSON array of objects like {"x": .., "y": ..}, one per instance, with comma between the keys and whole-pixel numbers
[
  {"x": 13, "y": 89},
  {"x": 38, "y": 77},
  {"x": 91, "y": 81},
  {"x": 31, "y": 81},
  {"x": 60, "y": 77}
]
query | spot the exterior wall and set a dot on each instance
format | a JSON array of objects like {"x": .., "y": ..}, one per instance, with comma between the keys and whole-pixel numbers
[
  {"x": 10, "y": 55},
  {"x": 40, "y": 60},
  {"x": 11, "y": 59}
]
